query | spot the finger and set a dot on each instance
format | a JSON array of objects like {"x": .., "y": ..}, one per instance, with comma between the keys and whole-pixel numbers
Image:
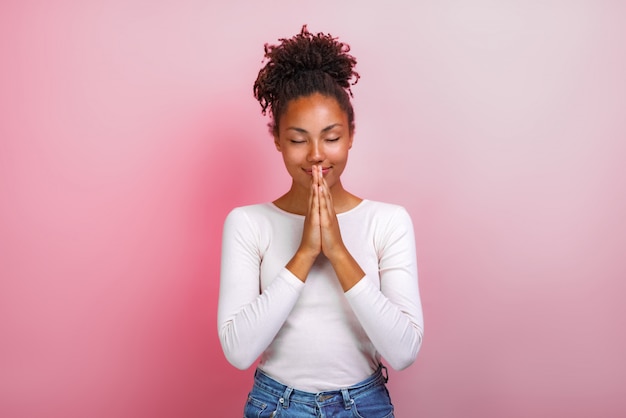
[
  {"x": 322, "y": 198},
  {"x": 328, "y": 199},
  {"x": 316, "y": 175},
  {"x": 326, "y": 208},
  {"x": 311, "y": 197},
  {"x": 320, "y": 176},
  {"x": 316, "y": 199}
]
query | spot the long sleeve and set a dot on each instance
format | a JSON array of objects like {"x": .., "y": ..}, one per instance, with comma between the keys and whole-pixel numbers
[
  {"x": 248, "y": 319},
  {"x": 391, "y": 313},
  {"x": 314, "y": 336}
]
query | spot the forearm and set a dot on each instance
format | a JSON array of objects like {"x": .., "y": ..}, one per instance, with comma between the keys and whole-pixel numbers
[
  {"x": 301, "y": 263},
  {"x": 395, "y": 328},
  {"x": 247, "y": 329},
  {"x": 348, "y": 271}
]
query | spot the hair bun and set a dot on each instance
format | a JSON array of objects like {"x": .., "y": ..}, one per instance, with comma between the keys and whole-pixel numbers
[
  {"x": 303, "y": 53},
  {"x": 314, "y": 52}
]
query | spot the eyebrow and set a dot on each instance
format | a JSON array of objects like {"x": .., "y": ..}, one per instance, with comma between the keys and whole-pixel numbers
[{"x": 304, "y": 131}]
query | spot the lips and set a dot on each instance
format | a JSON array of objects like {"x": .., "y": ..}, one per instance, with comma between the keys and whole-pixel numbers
[{"x": 309, "y": 171}]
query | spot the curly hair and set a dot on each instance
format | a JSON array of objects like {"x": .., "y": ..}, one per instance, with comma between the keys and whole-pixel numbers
[{"x": 302, "y": 65}]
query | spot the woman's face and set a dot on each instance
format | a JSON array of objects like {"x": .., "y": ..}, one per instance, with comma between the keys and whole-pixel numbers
[{"x": 314, "y": 130}]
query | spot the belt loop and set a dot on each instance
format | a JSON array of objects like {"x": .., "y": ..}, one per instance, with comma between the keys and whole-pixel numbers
[
  {"x": 385, "y": 374},
  {"x": 347, "y": 401},
  {"x": 285, "y": 399}
]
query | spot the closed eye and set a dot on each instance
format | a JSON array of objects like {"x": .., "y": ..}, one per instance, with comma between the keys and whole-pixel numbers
[
  {"x": 332, "y": 140},
  {"x": 295, "y": 141}
]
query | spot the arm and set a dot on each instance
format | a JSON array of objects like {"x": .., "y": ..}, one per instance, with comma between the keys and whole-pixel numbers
[
  {"x": 347, "y": 269},
  {"x": 248, "y": 319},
  {"x": 392, "y": 315}
]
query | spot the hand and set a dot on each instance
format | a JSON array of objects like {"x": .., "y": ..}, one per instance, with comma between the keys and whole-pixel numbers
[
  {"x": 347, "y": 269},
  {"x": 321, "y": 230},
  {"x": 331, "y": 241},
  {"x": 321, "y": 234},
  {"x": 311, "y": 243}
]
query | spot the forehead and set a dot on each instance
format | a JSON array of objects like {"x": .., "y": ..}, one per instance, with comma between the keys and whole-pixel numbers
[{"x": 313, "y": 110}]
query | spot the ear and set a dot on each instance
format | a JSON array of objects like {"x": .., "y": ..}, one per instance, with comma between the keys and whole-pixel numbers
[
  {"x": 277, "y": 143},
  {"x": 350, "y": 140}
]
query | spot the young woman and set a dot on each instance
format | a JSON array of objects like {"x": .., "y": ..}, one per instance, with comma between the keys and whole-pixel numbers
[{"x": 320, "y": 284}]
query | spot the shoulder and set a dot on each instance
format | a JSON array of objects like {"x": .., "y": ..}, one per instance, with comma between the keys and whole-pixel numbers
[
  {"x": 248, "y": 210},
  {"x": 258, "y": 215},
  {"x": 385, "y": 211},
  {"x": 382, "y": 206},
  {"x": 391, "y": 226},
  {"x": 247, "y": 225},
  {"x": 242, "y": 215},
  {"x": 387, "y": 221}
]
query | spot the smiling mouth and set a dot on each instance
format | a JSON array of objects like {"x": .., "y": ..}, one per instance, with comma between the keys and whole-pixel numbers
[{"x": 310, "y": 171}]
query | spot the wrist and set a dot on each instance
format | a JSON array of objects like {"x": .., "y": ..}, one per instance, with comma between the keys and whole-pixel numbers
[
  {"x": 306, "y": 254},
  {"x": 338, "y": 255},
  {"x": 347, "y": 269},
  {"x": 301, "y": 263}
]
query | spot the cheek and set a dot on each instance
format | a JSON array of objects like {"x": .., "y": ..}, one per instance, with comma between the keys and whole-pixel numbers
[
  {"x": 291, "y": 162},
  {"x": 340, "y": 155},
  {"x": 294, "y": 155},
  {"x": 288, "y": 158}
]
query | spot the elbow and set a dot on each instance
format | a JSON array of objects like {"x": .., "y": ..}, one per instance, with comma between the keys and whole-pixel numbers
[
  {"x": 239, "y": 360},
  {"x": 402, "y": 362},
  {"x": 407, "y": 357},
  {"x": 236, "y": 353}
]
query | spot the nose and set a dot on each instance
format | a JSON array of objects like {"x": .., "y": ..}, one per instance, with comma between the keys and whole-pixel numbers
[{"x": 316, "y": 152}]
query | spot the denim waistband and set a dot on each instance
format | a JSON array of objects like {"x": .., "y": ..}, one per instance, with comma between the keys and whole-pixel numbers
[{"x": 288, "y": 394}]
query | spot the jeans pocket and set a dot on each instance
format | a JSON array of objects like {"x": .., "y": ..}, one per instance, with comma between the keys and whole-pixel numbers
[
  {"x": 373, "y": 404},
  {"x": 257, "y": 409},
  {"x": 372, "y": 411}
]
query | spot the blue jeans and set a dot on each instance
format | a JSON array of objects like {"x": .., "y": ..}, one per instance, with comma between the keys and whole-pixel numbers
[{"x": 271, "y": 399}]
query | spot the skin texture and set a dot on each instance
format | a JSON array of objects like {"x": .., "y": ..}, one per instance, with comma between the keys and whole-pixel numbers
[{"x": 314, "y": 139}]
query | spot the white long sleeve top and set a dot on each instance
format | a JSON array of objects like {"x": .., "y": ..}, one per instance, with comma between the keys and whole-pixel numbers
[{"x": 312, "y": 335}]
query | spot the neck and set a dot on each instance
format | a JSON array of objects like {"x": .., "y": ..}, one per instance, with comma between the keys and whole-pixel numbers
[{"x": 296, "y": 200}]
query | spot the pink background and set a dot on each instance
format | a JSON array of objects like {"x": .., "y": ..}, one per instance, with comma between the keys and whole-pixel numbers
[{"x": 128, "y": 130}]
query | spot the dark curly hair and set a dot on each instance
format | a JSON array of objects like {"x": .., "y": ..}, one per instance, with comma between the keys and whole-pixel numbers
[{"x": 302, "y": 65}]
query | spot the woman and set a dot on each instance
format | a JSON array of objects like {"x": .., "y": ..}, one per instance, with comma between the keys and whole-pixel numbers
[{"x": 320, "y": 283}]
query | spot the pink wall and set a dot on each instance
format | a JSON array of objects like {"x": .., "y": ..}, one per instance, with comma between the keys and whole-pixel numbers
[{"x": 128, "y": 130}]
